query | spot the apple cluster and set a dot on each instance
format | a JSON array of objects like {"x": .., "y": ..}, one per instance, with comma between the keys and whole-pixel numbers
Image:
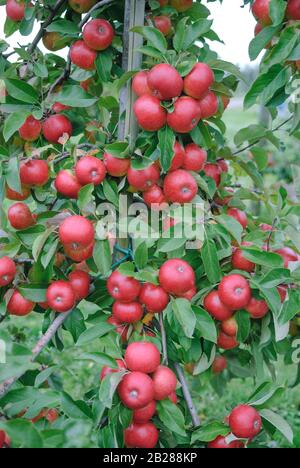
[{"x": 145, "y": 382}]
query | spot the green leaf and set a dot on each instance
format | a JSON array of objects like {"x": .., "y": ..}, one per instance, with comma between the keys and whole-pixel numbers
[
  {"x": 275, "y": 278},
  {"x": 184, "y": 313},
  {"x": 210, "y": 260},
  {"x": 23, "y": 433},
  {"x": 102, "y": 256},
  {"x": 179, "y": 35},
  {"x": 210, "y": 432},
  {"x": 33, "y": 292},
  {"x": 85, "y": 196},
  {"x": 280, "y": 52},
  {"x": 13, "y": 174},
  {"x": 166, "y": 139},
  {"x": 290, "y": 308},
  {"x": 22, "y": 91},
  {"x": 104, "y": 65},
  {"x": 261, "y": 257},
  {"x": 95, "y": 332},
  {"x": 266, "y": 85},
  {"x": 154, "y": 37},
  {"x": 277, "y": 11},
  {"x": 228, "y": 67},
  {"x": 109, "y": 386},
  {"x": 63, "y": 26},
  {"x": 194, "y": 31},
  {"x": 278, "y": 423},
  {"x": 244, "y": 325},
  {"x": 141, "y": 255},
  {"x": 261, "y": 40},
  {"x": 171, "y": 416},
  {"x": 111, "y": 192},
  {"x": 205, "y": 324},
  {"x": 75, "y": 409},
  {"x": 13, "y": 122},
  {"x": 232, "y": 226},
  {"x": 74, "y": 96}
]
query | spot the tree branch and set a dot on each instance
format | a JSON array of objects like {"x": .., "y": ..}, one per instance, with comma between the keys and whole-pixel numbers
[
  {"x": 94, "y": 8},
  {"x": 44, "y": 25},
  {"x": 163, "y": 339},
  {"x": 257, "y": 141},
  {"x": 187, "y": 396},
  {"x": 41, "y": 344}
]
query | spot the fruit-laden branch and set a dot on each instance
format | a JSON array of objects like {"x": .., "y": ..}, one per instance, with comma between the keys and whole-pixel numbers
[
  {"x": 67, "y": 70},
  {"x": 45, "y": 24},
  {"x": 41, "y": 344},
  {"x": 258, "y": 140},
  {"x": 187, "y": 396}
]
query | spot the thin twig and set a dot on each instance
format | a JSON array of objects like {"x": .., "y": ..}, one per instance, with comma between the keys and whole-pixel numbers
[
  {"x": 94, "y": 8},
  {"x": 257, "y": 141},
  {"x": 271, "y": 233},
  {"x": 163, "y": 339},
  {"x": 66, "y": 154},
  {"x": 41, "y": 344},
  {"x": 187, "y": 396},
  {"x": 45, "y": 24}
]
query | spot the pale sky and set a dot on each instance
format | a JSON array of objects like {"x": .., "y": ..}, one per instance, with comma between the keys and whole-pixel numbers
[{"x": 233, "y": 24}]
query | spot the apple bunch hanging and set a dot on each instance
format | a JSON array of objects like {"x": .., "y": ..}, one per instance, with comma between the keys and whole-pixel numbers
[{"x": 145, "y": 382}]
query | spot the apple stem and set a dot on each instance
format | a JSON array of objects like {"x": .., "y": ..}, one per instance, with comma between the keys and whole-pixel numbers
[{"x": 187, "y": 396}]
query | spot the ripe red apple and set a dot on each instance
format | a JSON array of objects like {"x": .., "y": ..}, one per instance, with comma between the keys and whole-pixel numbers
[
  {"x": 219, "y": 364},
  {"x": 239, "y": 216},
  {"x": 31, "y": 129},
  {"x": 230, "y": 326},
  {"x": 180, "y": 186},
  {"x": 60, "y": 296},
  {"x": 86, "y": 84},
  {"x": 55, "y": 127},
  {"x": 80, "y": 282},
  {"x": 79, "y": 254},
  {"x": 266, "y": 227},
  {"x": 82, "y": 56},
  {"x": 226, "y": 195},
  {"x": 141, "y": 435},
  {"x": 163, "y": 23},
  {"x": 143, "y": 179},
  {"x": 257, "y": 308},
  {"x": 198, "y": 81},
  {"x": 142, "y": 356},
  {"x": 144, "y": 414},
  {"x": 194, "y": 158},
  {"x": 163, "y": 2},
  {"x": 288, "y": 255},
  {"x": 245, "y": 422},
  {"x": 127, "y": 312},
  {"x": 173, "y": 398},
  {"x": 51, "y": 415},
  {"x": 67, "y": 184},
  {"x": 226, "y": 342},
  {"x": 154, "y": 298},
  {"x": 189, "y": 294},
  {"x": 81, "y": 6},
  {"x": 261, "y": 11},
  {"x": 7, "y": 271},
  {"x": 140, "y": 83},
  {"x": 90, "y": 170},
  {"x": 176, "y": 276},
  {"x": 19, "y": 305},
  {"x": 15, "y": 10},
  {"x": 220, "y": 443},
  {"x": 13, "y": 195},
  {"x": 181, "y": 5},
  {"x": 116, "y": 167},
  {"x": 154, "y": 197},
  {"x": 58, "y": 107},
  {"x": 239, "y": 262},
  {"x": 293, "y": 10},
  {"x": 213, "y": 171},
  {"x": 209, "y": 105},
  {"x": 164, "y": 381},
  {"x": 98, "y": 34},
  {"x": 151, "y": 116},
  {"x": 106, "y": 370},
  {"x": 185, "y": 116},
  {"x": 76, "y": 231},
  {"x": 213, "y": 305},
  {"x": 2, "y": 438},
  {"x": 123, "y": 288},
  {"x": 225, "y": 100},
  {"x": 53, "y": 41},
  {"x": 20, "y": 216},
  {"x": 178, "y": 157},
  {"x": 234, "y": 292},
  {"x": 223, "y": 165},
  {"x": 136, "y": 390},
  {"x": 165, "y": 82},
  {"x": 34, "y": 172}
]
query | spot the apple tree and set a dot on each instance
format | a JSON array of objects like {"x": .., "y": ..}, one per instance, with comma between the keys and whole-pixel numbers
[{"x": 198, "y": 279}]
